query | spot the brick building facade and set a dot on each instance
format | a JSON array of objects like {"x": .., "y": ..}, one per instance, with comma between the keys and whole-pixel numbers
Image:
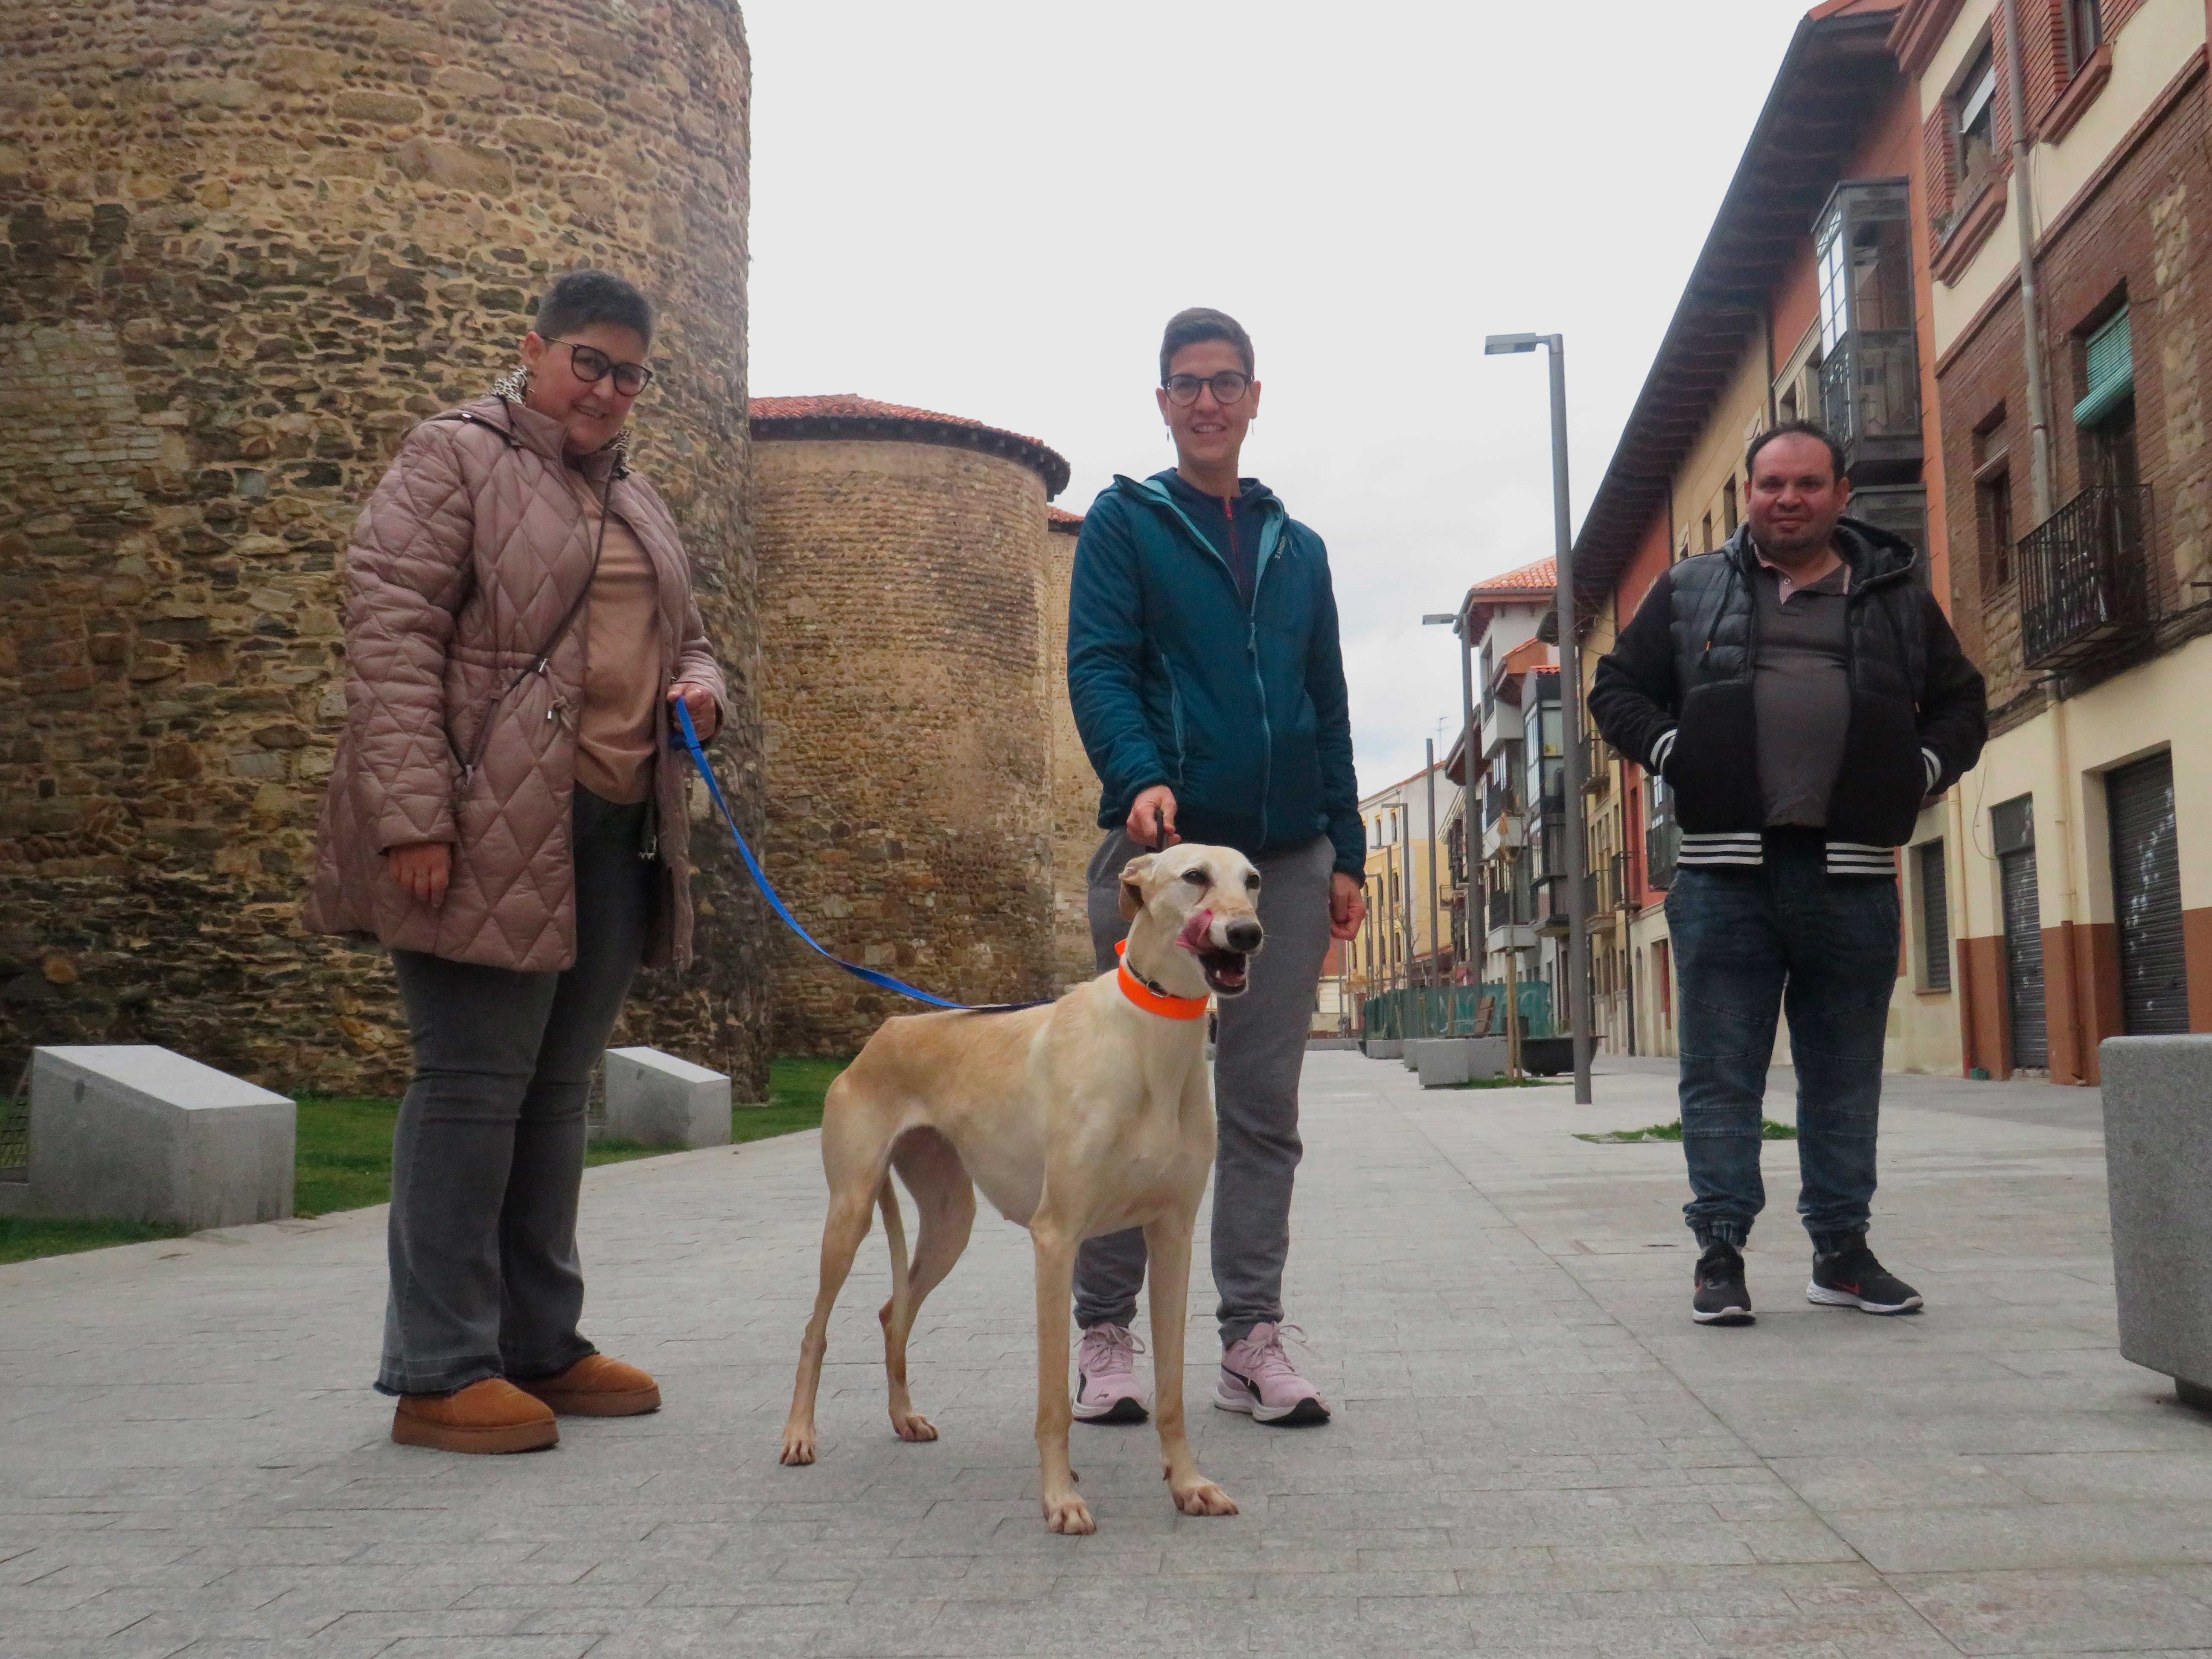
[
  {"x": 906, "y": 592},
  {"x": 2079, "y": 875},
  {"x": 245, "y": 247}
]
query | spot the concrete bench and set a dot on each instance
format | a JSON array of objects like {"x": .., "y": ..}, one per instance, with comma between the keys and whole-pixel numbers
[
  {"x": 2158, "y": 1162},
  {"x": 658, "y": 1100},
  {"x": 134, "y": 1132},
  {"x": 1445, "y": 1061},
  {"x": 1384, "y": 1049}
]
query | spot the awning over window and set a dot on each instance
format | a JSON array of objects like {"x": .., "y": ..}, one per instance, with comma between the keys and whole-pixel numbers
[{"x": 2112, "y": 372}]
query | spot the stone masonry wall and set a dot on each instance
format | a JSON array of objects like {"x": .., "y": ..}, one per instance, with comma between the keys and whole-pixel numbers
[
  {"x": 1075, "y": 831},
  {"x": 245, "y": 245},
  {"x": 909, "y": 736}
]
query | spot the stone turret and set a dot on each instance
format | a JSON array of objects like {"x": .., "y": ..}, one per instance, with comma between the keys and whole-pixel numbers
[
  {"x": 247, "y": 245},
  {"x": 905, "y": 594}
]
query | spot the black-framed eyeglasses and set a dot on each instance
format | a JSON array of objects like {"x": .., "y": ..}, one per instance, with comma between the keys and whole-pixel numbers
[
  {"x": 594, "y": 365},
  {"x": 1228, "y": 386}
]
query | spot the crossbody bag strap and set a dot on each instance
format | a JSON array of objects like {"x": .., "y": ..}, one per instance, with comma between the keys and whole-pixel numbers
[{"x": 543, "y": 655}]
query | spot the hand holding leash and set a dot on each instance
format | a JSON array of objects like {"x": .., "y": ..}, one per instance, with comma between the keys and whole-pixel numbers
[{"x": 1152, "y": 822}]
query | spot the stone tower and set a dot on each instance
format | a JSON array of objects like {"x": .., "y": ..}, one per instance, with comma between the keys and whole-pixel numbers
[
  {"x": 904, "y": 587},
  {"x": 1075, "y": 831},
  {"x": 247, "y": 244}
]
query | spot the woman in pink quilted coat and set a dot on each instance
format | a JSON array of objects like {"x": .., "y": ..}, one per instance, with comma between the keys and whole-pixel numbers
[{"x": 506, "y": 817}]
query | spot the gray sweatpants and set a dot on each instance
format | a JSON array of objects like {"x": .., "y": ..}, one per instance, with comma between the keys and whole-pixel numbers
[
  {"x": 489, "y": 1154},
  {"x": 1259, "y": 1050}
]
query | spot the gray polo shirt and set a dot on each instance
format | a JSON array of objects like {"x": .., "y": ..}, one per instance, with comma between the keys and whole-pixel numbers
[{"x": 1801, "y": 693}]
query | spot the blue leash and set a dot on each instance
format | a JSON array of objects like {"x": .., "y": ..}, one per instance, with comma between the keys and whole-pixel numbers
[{"x": 881, "y": 981}]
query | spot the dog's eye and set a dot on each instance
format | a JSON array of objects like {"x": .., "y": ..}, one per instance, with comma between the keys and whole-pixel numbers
[
  {"x": 1198, "y": 878},
  {"x": 1251, "y": 883}
]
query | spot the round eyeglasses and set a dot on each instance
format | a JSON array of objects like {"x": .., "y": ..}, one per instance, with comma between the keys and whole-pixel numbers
[
  {"x": 1228, "y": 386},
  {"x": 594, "y": 365}
]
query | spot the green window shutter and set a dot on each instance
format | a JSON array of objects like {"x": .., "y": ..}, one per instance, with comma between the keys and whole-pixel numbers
[{"x": 2111, "y": 362}]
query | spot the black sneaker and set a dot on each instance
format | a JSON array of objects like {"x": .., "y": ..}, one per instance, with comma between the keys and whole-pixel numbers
[
  {"x": 1721, "y": 1298},
  {"x": 1851, "y": 1278}
]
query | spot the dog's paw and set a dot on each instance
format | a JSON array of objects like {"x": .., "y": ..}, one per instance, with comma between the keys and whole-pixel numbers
[
  {"x": 912, "y": 1425},
  {"x": 798, "y": 1448},
  {"x": 1203, "y": 1497},
  {"x": 1069, "y": 1515}
]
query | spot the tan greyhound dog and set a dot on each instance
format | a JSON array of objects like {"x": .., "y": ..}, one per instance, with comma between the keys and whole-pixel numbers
[{"x": 1082, "y": 1117}]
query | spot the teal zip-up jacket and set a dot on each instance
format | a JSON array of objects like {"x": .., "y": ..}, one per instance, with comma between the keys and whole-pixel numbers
[{"x": 1244, "y": 715}]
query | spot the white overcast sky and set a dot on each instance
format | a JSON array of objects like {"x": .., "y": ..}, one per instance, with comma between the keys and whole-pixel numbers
[{"x": 990, "y": 207}]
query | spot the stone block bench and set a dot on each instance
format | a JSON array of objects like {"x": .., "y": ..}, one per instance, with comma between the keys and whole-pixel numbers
[
  {"x": 134, "y": 1132},
  {"x": 2158, "y": 1161},
  {"x": 657, "y": 1100},
  {"x": 1445, "y": 1061}
]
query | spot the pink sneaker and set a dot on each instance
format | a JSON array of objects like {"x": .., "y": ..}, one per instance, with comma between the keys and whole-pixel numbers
[
  {"x": 1106, "y": 1377},
  {"x": 1258, "y": 1379}
]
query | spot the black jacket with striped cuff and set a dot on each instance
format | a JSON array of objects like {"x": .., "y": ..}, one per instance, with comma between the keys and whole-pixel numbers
[{"x": 1675, "y": 693}]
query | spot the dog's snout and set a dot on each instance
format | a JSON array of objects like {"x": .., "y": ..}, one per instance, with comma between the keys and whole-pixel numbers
[{"x": 1243, "y": 936}]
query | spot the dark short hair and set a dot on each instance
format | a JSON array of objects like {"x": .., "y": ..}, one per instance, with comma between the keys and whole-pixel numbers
[
  {"x": 1187, "y": 328},
  {"x": 1794, "y": 429},
  {"x": 584, "y": 297}
]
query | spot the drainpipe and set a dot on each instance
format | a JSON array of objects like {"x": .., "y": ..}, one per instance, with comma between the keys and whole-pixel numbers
[
  {"x": 2039, "y": 410},
  {"x": 2031, "y": 334}
]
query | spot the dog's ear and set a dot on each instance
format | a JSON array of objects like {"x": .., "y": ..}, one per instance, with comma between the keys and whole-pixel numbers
[{"x": 1132, "y": 885}]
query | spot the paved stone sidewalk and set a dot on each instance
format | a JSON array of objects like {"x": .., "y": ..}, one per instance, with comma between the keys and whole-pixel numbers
[{"x": 1535, "y": 1450}]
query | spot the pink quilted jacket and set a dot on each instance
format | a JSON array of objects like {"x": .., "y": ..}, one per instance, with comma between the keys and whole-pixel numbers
[{"x": 462, "y": 566}]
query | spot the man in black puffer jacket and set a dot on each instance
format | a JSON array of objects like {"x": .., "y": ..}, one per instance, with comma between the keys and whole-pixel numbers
[{"x": 1802, "y": 696}]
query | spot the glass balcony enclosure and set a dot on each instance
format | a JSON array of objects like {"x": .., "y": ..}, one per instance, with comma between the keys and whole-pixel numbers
[{"x": 1870, "y": 352}]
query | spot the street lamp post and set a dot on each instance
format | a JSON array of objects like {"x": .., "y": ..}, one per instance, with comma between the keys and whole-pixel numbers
[{"x": 1570, "y": 705}]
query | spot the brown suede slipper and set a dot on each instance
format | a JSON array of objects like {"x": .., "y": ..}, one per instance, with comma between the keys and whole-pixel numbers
[
  {"x": 595, "y": 1386},
  {"x": 490, "y": 1416}
]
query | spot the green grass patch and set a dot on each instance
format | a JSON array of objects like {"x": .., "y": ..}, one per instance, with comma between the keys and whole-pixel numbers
[
  {"x": 21, "y": 1238},
  {"x": 344, "y": 1159},
  {"x": 795, "y": 1089},
  {"x": 1768, "y": 1130},
  {"x": 1508, "y": 1083}
]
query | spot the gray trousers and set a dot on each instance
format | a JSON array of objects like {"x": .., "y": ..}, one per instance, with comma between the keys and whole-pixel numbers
[
  {"x": 1260, "y": 1049},
  {"x": 488, "y": 1153}
]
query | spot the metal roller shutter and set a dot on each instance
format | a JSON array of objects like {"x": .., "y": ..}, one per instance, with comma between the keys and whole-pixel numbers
[
  {"x": 2023, "y": 932},
  {"x": 2147, "y": 897},
  {"x": 2013, "y": 827}
]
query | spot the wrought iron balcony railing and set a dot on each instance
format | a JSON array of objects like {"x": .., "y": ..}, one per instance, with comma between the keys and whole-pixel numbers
[
  {"x": 1597, "y": 766},
  {"x": 2084, "y": 579}
]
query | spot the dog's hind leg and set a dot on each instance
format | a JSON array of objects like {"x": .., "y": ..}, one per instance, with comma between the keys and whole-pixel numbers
[
  {"x": 945, "y": 1206},
  {"x": 842, "y": 1237},
  {"x": 1055, "y": 1246},
  {"x": 1167, "y": 1254}
]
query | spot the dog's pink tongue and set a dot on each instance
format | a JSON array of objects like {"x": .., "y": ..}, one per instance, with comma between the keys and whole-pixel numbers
[{"x": 1197, "y": 932}]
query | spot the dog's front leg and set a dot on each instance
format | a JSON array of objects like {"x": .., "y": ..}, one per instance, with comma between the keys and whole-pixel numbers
[
  {"x": 1064, "y": 1508},
  {"x": 1167, "y": 1252}
]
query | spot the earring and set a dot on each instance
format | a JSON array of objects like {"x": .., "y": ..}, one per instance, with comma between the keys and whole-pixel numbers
[{"x": 514, "y": 387}]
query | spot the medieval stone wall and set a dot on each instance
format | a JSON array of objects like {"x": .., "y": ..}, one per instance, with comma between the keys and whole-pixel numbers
[
  {"x": 907, "y": 722},
  {"x": 1075, "y": 831},
  {"x": 247, "y": 244}
]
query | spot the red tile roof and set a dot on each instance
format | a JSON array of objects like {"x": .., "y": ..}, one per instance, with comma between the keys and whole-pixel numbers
[
  {"x": 848, "y": 415},
  {"x": 1541, "y": 577},
  {"x": 1064, "y": 522}
]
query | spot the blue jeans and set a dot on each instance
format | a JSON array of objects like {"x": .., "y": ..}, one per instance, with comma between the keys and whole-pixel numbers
[{"x": 1784, "y": 937}]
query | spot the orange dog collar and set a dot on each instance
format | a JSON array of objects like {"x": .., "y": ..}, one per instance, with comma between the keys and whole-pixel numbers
[{"x": 1151, "y": 1001}]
